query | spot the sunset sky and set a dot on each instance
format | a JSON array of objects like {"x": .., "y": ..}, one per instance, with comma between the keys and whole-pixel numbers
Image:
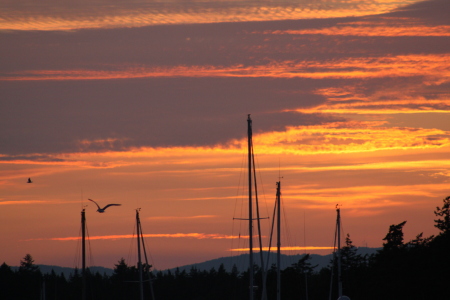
[{"x": 145, "y": 103}]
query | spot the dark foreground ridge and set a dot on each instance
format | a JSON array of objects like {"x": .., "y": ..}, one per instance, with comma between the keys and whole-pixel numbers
[{"x": 418, "y": 269}]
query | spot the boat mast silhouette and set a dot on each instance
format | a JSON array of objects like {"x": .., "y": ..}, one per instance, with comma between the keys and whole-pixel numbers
[
  {"x": 278, "y": 240},
  {"x": 251, "y": 181},
  {"x": 276, "y": 216},
  {"x": 250, "y": 201},
  {"x": 140, "y": 239},
  {"x": 83, "y": 254},
  {"x": 138, "y": 233},
  {"x": 338, "y": 255}
]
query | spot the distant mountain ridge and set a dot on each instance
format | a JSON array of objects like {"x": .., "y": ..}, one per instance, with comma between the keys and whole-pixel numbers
[{"x": 241, "y": 262}]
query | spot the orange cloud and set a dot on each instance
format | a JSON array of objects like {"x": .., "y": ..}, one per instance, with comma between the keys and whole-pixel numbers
[
  {"x": 361, "y": 197},
  {"x": 347, "y": 137},
  {"x": 406, "y": 106},
  {"x": 342, "y": 93},
  {"x": 434, "y": 67},
  {"x": 376, "y": 30},
  {"x": 337, "y": 137},
  {"x": 124, "y": 14},
  {"x": 100, "y": 143},
  {"x": 23, "y": 202},
  {"x": 200, "y": 236},
  {"x": 180, "y": 218},
  {"x": 388, "y": 165}
]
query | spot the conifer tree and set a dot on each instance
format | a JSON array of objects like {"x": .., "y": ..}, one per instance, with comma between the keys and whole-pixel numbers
[
  {"x": 443, "y": 224},
  {"x": 27, "y": 264},
  {"x": 394, "y": 238}
]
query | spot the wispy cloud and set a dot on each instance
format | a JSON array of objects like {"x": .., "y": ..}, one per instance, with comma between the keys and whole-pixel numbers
[
  {"x": 347, "y": 137},
  {"x": 181, "y": 217},
  {"x": 23, "y": 202},
  {"x": 431, "y": 66},
  {"x": 406, "y": 106},
  {"x": 367, "y": 196},
  {"x": 336, "y": 137},
  {"x": 58, "y": 16},
  {"x": 380, "y": 28},
  {"x": 199, "y": 236},
  {"x": 437, "y": 165}
]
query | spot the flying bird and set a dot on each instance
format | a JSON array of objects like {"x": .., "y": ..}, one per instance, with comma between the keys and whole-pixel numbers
[
  {"x": 29, "y": 180},
  {"x": 102, "y": 210}
]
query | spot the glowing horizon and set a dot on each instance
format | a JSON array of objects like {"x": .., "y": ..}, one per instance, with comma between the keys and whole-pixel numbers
[{"x": 292, "y": 248}]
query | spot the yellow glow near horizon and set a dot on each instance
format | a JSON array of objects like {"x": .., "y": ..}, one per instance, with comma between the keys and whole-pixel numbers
[
  {"x": 337, "y": 137},
  {"x": 199, "y": 236},
  {"x": 353, "y": 137},
  {"x": 347, "y": 137},
  {"x": 292, "y": 248}
]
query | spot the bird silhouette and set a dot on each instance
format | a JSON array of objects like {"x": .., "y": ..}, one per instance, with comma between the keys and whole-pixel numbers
[
  {"x": 29, "y": 180},
  {"x": 102, "y": 210}
]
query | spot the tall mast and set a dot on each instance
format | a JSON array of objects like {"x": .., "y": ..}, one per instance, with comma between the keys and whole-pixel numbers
[
  {"x": 138, "y": 231},
  {"x": 258, "y": 222},
  {"x": 250, "y": 209},
  {"x": 147, "y": 267},
  {"x": 83, "y": 255},
  {"x": 278, "y": 239},
  {"x": 338, "y": 224}
]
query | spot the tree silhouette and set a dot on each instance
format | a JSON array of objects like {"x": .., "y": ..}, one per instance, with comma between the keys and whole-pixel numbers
[
  {"x": 418, "y": 269},
  {"x": 420, "y": 241},
  {"x": 394, "y": 238},
  {"x": 443, "y": 225},
  {"x": 27, "y": 264},
  {"x": 29, "y": 279},
  {"x": 7, "y": 282}
]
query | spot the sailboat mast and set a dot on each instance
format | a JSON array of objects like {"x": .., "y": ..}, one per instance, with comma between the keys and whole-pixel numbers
[
  {"x": 83, "y": 255},
  {"x": 338, "y": 224},
  {"x": 138, "y": 231},
  {"x": 278, "y": 240},
  {"x": 250, "y": 209}
]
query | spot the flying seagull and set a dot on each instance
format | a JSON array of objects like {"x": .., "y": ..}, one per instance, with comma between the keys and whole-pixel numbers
[
  {"x": 102, "y": 210},
  {"x": 29, "y": 180}
]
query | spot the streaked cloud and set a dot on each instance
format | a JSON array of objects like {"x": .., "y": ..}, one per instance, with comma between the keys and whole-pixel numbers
[
  {"x": 351, "y": 136},
  {"x": 22, "y": 202},
  {"x": 337, "y": 137},
  {"x": 394, "y": 28},
  {"x": 367, "y": 197},
  {"x": 100, "y": 14},
  {"x": 199, "y": 236},
  {"x": 169, "y": 218},
  {"x": 390, "y": 165},
  {"x": 407, "y": 106},
  {"x": 431, "y": 66}
]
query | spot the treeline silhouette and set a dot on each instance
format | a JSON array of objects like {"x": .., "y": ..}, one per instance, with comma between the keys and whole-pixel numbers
[{"x": 418, "y": 269}]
